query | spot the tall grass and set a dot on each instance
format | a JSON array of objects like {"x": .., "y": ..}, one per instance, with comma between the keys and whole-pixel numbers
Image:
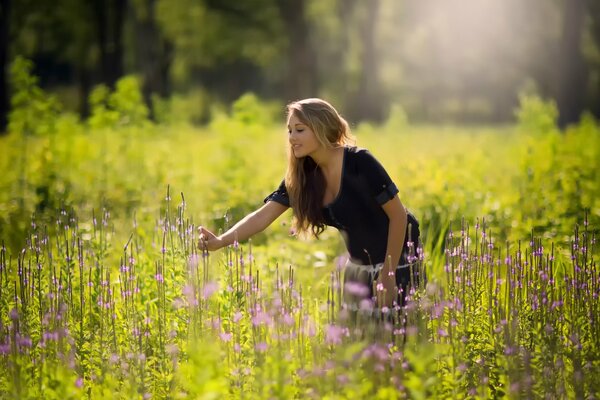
[{"x": 104, "y": 293}]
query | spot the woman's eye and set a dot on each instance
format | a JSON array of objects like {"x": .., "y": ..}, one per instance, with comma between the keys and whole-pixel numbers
[{"x": 299, "y": 130}]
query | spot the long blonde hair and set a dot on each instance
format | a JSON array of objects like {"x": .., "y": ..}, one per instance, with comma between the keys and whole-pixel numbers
[{"x": 304, "y": 180}]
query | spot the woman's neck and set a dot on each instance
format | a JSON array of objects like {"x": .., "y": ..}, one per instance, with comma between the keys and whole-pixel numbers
[{"x": 327, "y": 158}]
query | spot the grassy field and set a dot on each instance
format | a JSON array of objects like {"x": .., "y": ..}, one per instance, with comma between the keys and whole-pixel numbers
[{"x": 104, "y": 294}]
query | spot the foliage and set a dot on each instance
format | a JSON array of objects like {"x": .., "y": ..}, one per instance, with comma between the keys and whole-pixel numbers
[
  {"x": 33, "y": 112},
  {"x": 104, "y": 293},
  {"x": 536, "y": 115},
  {"x": 123, "y": 107}
]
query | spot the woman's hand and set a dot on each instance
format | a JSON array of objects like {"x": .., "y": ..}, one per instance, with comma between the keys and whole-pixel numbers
[{"x": 208, "y": 240}]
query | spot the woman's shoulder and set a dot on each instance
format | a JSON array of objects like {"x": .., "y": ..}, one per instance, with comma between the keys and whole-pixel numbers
[
  {"x": 359, "y": 154},
  {"x": 355, "y": 151}
]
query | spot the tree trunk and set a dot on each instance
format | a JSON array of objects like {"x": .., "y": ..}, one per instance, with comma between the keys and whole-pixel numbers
[
  {"x": 153, "y": 54},
  {"x": 368, "y": 101},
  {"x": 5, "y": 7},
  {"x": 573, "y": 72},
  {"x": 594, "y": 7},
  {"x": 109, "y": 30},
  {"x": 301, "y": 75},
  {"x": 345, "y": 10},
  {"x": 84, "y": 85}
]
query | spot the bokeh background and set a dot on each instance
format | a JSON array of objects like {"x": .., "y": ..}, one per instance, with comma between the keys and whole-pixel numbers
[{"x": 442, "y": 61}]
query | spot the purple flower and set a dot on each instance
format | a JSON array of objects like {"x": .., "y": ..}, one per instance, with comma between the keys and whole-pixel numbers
[
  {"x": 209, "y": 289},
  {"x": 288, "y": 319},
  {"x": 4, "y": 349},
  {"x": 172, "y": 349},
  {"x": 366, "y": 305},
  {"x": 261, "y": 318},
  {"x": 237, "y": 316},
  {"x": 261, "y": 347},
  {"x": 334, "y": 334},
  {"x": 356, "y": 289}
]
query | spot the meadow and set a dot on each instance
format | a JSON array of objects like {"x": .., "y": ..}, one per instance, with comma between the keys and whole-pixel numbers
[{"x": 105, "y": 294}]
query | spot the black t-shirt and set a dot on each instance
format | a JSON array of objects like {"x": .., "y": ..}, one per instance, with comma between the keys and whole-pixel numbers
[{"x": 356, "y": 211}]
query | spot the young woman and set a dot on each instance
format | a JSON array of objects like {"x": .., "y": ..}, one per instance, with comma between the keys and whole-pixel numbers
[{"x": 329, "y": 182}]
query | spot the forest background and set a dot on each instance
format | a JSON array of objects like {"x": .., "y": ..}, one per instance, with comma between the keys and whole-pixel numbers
[{"x": 442, "y": 61}]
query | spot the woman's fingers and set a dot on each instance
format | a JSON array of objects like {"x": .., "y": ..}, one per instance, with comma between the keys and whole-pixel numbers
[
  {"x": 203, "y": 238},
  {"x": 207, "y": 240}
]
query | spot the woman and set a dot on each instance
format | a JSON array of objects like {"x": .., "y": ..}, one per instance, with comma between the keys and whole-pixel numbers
[{"x": 329, "y": 182}]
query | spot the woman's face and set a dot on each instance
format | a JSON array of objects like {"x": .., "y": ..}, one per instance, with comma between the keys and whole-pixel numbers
[{"x": 303, "y": 141}]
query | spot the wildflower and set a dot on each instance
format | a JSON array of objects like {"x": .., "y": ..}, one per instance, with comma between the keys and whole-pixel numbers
[
  {"x": 114, "y": 358},
  {"x": 4, "y": 349},
  {"x": 356, "y": 289},
  {"x": 226, "y": 336},
  {"x": 193, "y": 261},
  {"x": 79, "y": 383},
  {"x": 262, "y": 318},
  {"x": 442, "y": 332},
  {"x": 261, "y": 347},
  {"x": 237, "y": 316},
  {"x": 13, "y": 314},
  {"x": 288, "y": 319},
  {"x": 209, "y": 289},
  {"x": 334, "y": 334},
  {"x": 366, "y": 305},
  {"x": 172, "y": 349}
]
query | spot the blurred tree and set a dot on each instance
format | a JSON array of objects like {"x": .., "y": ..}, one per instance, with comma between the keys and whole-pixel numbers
[
  {"x": 300, "y": 81},
  {"x": 368, "y": 102},
  {"x": 594, "y": 10},
  {"x": 573, "y": 70},
  {"x": 440, "y": 59},
  {"x": 5, "y": 10},
  {"x": 225, "y": 45},
  {"x": 109, "y": 16},
  {"x": 348, "y": 47},
  {"x": 153, "y": 53}
]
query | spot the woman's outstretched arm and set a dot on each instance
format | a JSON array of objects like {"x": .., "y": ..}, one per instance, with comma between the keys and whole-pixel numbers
[
  {"x": 251, "y": 224},
  {"x": 396, "y": 233}
]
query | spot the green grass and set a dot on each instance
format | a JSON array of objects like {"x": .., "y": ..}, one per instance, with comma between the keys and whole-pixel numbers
[{"x": 105, "y": 295}]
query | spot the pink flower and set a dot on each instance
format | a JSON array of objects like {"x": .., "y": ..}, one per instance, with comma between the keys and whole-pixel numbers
[
  {"x": 334, "y": 334},
  {"x": 225, "y": 336},
  {"x": 261, "y": 347},
  {"x": 356, "y": 289},
  {"x": 237, "y": 316},
  {"x": 209, "y": 289}
]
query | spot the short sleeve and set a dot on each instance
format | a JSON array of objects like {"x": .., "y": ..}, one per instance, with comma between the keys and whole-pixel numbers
[
  {"x": 379, "y": 183},
  {"x": 279, "y": 196}
]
